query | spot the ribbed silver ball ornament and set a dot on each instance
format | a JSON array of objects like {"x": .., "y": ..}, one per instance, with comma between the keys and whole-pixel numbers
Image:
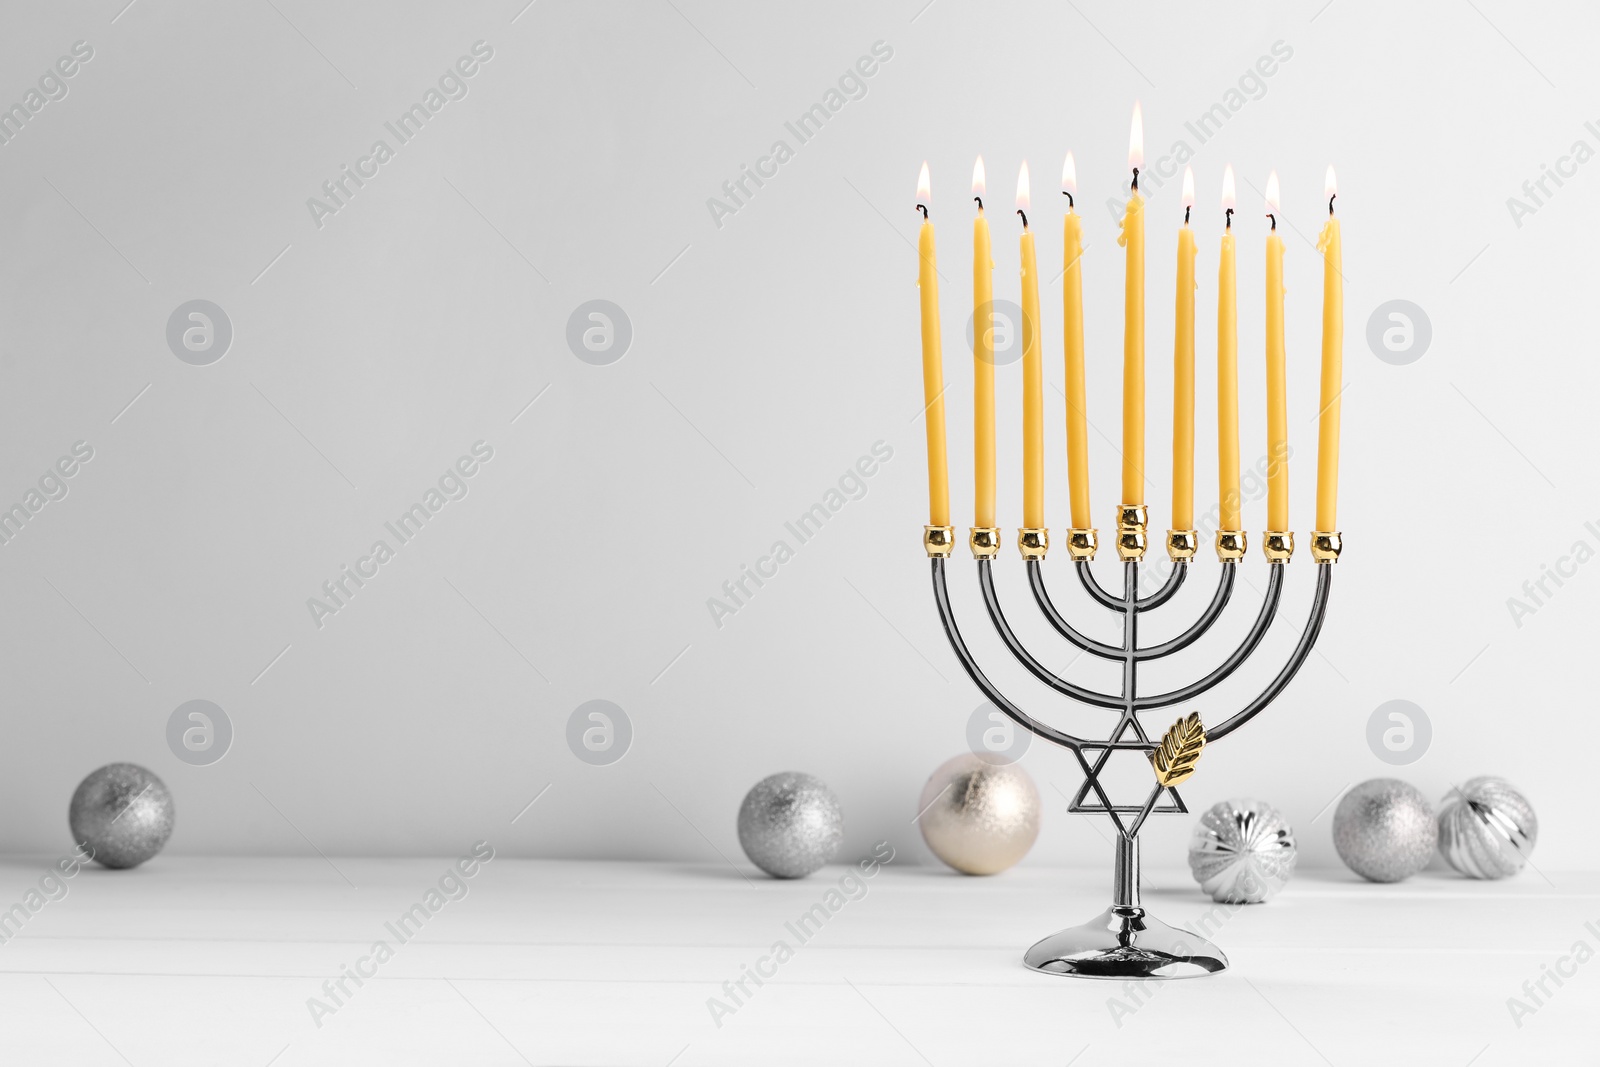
[
  {"x": 1242, "y": 852},
  {"x": 122, "y": 813},
  {"x": 1487, "y": 828},
  {"x": 790, "y": 824},
  {"x": 1384, "y": 830},
  {"x": 980, "y": 813}
]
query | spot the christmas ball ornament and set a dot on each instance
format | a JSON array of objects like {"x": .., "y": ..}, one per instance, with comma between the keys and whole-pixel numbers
[
  {"x": 1487, "y": 828},
  {"x": 122, "y": 814},
  {"x": 980, "y": 814},
  {"x": 790, "y": 824},
  {"x": 1383, "y": 829},
  {"x": 1242, "y": 852}
]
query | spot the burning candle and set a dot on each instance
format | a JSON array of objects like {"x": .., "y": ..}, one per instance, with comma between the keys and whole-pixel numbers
[
  {"x": 982, "y": 360},
  {"x": 1132, "y": 239},
  {"x": 1332, "y": 366},
  {"x": 1277, "y": 402},
  {"x": 932, "y": 363},
  {"x": 1072, "y": 349},
  {"x": 1032, "y": 373},
  {"x": 1183, "y": 371},
  {"x": 1227, "y": 370}
]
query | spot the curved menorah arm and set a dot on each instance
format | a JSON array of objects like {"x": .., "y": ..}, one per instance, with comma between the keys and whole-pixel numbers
[
  {"x": 1308, "y": 637},
  {"x": 1175, "y": 577},
  {"x": 1059, "y": 621},
  {"x": 941, "y": 597},
  {"x": 1269, "y": 608},
  {"x": 1219, "y": 600},
  {"x": 1105, "y": 599},
  {"x": 1023, "y": 656}
]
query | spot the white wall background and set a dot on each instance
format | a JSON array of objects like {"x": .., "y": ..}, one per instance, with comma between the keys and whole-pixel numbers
[{"x": 768, "y": 354}]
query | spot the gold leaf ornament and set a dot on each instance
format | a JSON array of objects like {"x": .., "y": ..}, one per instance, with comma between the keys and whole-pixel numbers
[{"x": 1175, "y": 758}]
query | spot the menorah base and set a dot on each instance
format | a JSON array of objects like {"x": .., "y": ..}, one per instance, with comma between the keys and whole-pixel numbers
[{"x": 1122, "y": 943}]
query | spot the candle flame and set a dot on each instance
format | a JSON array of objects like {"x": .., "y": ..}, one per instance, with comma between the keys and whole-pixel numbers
[
  {"x": 1272, "y": 193},
  {"x": 1136, "y": 139},
  {"x": 1228, "y": 196},
  {"x": 1188, "y": 188},
  {"x": 978, "y": 183},
  {"x": 1069, "y": 177},
  {"x": 924, "y": 190},
  {"x": 1023, "y": 202},
  {"x": 1330, "y": 188}
]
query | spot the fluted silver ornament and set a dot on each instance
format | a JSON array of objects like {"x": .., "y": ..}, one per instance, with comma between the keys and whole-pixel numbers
[
  {"x": 1242, "y": 851},
  {"x": 790, "y": 824},
  {"x": 1384, "y": 830},
  {"x": 1487, "y": 828},
  {"x": 980, "y": 814},
  {"x": 122, "y": 814}
]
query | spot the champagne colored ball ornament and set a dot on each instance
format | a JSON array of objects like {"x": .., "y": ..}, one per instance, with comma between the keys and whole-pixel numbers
[
  {"x": 790, "y": 824},
  {"x": 122, "y": 813},
  {"x": 980, "y": 814},
  {"x": 1384, "y": 830},
  {"x": 1487, "y": 828},
  {"x": 1242, "y": 852}
]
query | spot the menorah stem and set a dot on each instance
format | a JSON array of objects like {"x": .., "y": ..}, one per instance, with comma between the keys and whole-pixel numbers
[
  {"x": 1130, "y": 629},
  {"x": 1125, "y": 879}
]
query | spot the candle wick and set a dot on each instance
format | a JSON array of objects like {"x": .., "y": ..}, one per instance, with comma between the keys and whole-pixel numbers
[
  {"x": 1136, "y": 179},
  {"x": 1070, "y": 202},
  {"x": 1274, "y": 219},
  {"x": 1228, "y": 222},
  {"x": 924, "y": 211},
  {"x": 1186, "y": 214},
  {"x": 979, "y": 199},
  {"x": 1024, "y": 215},
  {"x": 1331, "y": 199}
]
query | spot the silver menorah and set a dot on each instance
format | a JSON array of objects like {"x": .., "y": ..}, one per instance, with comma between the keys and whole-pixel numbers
[{"x": 1125, "y": 941}]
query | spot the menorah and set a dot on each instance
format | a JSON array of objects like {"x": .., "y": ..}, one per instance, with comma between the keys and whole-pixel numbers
[{"x": 1125, "y": 941}]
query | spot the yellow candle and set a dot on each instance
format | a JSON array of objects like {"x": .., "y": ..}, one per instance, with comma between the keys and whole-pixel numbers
[
  {"x": 1183, "y": 371},
  {"x": 1227, "y": 371},
  {"x": 1072, "y": 347},
  {"x": 1277, "y": 403},
  {"x": 1032, "y": 373},
  {"x": 1133, "y": 327},
  {"x": 982, "y": 360},
  {"x": 932, "y": 364},
  {"x": 1332, "y": 368}
]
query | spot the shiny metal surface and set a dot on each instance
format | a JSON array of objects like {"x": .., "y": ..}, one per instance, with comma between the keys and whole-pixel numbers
[
  {"x": 1122, "y": 943},
  {"x": 1132, "y": 521},
  {"x": 984, "y": 541},
  {"x": 1182, "y": 544},
  {"x": 1083, "y": 544},
  {"x": 1126, "y": 943},
  {"x": 980, "y": 814},
  {"x": 1487, "y": 829},
  {"x": 1242, "y": 852},
  {"x": 1325, "y": 547},
  {"x": 1033, "y": 542}
]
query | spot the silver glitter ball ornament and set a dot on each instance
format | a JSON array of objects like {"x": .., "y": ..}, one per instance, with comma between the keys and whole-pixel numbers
[
  {"x": 1383, "y": 829},
  {"x": 1487, "y": 828},
  {"x": 980, "y": 814},
  {"x": 1242, "y": 852},
  {"x": 790, "y": 824},
  {"x": 122, "y": 814}
]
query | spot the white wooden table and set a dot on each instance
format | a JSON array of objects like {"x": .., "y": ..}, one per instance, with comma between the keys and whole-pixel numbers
[{"x": 213, "y": 961}]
